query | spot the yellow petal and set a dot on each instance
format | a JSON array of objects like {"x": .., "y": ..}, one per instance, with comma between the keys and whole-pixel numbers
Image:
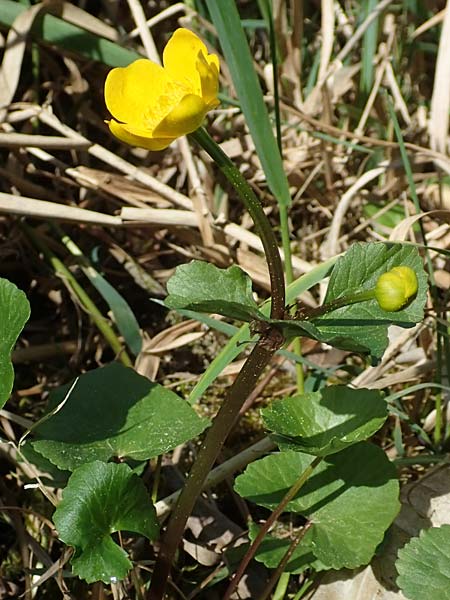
[
  {"x": 180, "y": 59},
  {"x": 121, "y": 132},
  {"x": 130, "y": 91},
  {"x": 186, "y": 117},
  {"x": 209, "y": 78}
]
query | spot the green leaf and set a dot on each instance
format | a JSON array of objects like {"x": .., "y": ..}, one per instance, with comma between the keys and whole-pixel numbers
[
  {"x": 326, "y": 421},
  {"x": 369, "y": 47},
  {"x": 388, "y": 219},
  {"x": 49, "y": 473},
  {"x": 424, "y": 565},
  {"x": 291, "y": 328},
  {"x": 362, "y": 327},
  {"x": 203, "y": 287},
  {"x": 101, "y": 499},
  {"x": 351, "y": 499},
  {"x": 114, "y": 412},
  {"x": 272, "y": 550},
  {"x": 234, "y": 44},
  {"x": 240, "y": 340},
  {"x": 14, "y": 313},
  {"x": 56, "y": 31}
]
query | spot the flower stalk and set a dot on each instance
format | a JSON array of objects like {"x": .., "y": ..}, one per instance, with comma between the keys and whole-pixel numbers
[
  {"x": 253, "y": 205},
  {"x": 307, "y": 313},
  {"x": 151, "y": 106},
  {"x": 393, "y": 291}
]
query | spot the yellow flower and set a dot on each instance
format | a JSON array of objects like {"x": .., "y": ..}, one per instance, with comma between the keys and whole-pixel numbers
[
  {"x": 153, "y": 105},
  {"x": 395, "y": 288}
]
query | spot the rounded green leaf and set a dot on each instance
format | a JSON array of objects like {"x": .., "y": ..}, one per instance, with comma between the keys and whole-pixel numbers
[
  {"x": 99, "y": 500},
  {"x": 114, "y": 412},
  {"x": 351, "y": 498},
  {"x": 363, "y": 326},
  {"x": 424, "y": 565},
  {"x": 14, "y": 313},
  {"x": 203, "y": 287},
  {"x": 326, "y": 421}
]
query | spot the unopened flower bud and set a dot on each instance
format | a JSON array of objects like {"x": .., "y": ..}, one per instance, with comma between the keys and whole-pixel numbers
[{"x": 395, "y": 288}]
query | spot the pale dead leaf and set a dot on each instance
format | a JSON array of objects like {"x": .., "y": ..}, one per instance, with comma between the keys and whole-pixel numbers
[
  {"x": 41, "y": 209},
  {"x": 148, "y": 360},
  {"x": 330, "y": 246},
  {"x": 12, "y": 58},
  {"x": 77, "y": 84},
  {"x": 118, "y": 186},
  {"x": 77, "y": 16},
  {"x": 327, "y": 29},
  {"x": 442, "y": 279},
  {"x": 400, "y": 232},
  {"x": 440, "y": 100},
  {"x": 179, "y": 342},
  {"x": 141, "y": 276},
  {"x": 438, "y": 195},
  {"x": 429, "y": 23}
]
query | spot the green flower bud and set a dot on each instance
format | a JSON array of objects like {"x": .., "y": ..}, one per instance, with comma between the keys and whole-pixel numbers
[{"x": 395, "y": 288}]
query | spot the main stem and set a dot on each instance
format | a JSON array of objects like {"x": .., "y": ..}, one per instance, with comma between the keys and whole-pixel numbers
[
  {"x": 253, "y": 205},
  {"x": 245, "y": 381},
  {"x": 223, "y": 422}
]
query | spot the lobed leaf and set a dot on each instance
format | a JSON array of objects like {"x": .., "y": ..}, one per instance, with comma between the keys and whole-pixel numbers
[
  {"x": 101, "y": 499},
  {"x": 203, "y": 287},
  {"x": 424, "y": 565},
  {"x": 326, "y": 421},
  {"x": 351, "y": 498}
]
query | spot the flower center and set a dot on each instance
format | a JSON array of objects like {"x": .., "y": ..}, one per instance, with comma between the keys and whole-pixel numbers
[{"x": 172, "y": 95}]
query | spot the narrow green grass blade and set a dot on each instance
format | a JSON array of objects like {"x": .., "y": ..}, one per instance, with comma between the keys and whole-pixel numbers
[
  {"x": 264, "y": 9},
  {"x": 123, "y": 315},
  {"x": 274, "y": 52},
  {"x": 52, "y": 30},
  {"x": 312, "y": 77},
  {"x": 234, "y": 44},
  {"x": 412, "y": 188},
  {"x": 369, "y": 48}
]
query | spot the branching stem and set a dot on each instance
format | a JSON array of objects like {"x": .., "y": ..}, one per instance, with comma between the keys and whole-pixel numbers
[{"x": 268, "y": 524}]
